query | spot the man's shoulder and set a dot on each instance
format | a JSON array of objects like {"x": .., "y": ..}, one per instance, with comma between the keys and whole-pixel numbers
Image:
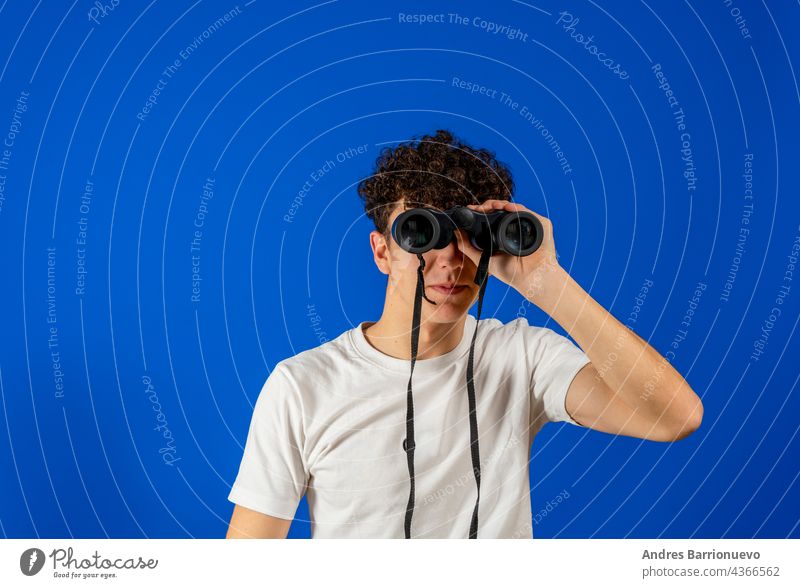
[
  {"x": 518, "y": 335},
  {"x": 322, "y": 359},
  {"x": 518, "y": 326}
]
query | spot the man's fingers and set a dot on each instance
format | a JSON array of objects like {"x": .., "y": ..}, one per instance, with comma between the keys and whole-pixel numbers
[{"x": 490, "y": 205}]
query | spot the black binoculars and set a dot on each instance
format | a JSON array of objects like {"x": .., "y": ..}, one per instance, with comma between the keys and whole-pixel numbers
[{"x": 419, "y": 230}]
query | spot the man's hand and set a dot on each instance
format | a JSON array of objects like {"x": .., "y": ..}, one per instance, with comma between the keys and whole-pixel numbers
[{"x": 535, "y": 276}]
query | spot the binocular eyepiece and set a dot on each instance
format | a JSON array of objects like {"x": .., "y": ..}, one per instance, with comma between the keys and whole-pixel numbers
[{"x": 418, "y": 230}]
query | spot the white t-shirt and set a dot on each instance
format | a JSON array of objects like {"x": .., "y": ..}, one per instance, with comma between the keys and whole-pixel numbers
[{"x": 330, "y": 423}]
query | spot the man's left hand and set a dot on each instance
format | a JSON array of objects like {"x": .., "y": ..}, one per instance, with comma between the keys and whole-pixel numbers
[{"x": 531, "y": 275}]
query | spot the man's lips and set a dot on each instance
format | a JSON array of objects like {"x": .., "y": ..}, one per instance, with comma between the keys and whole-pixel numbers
[{"x": 448, "y": 289}]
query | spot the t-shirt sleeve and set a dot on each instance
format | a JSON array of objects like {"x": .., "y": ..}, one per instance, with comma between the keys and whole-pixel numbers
[
  {"x": 555, "y": 361},
  {"x": 272, "y": 475}
]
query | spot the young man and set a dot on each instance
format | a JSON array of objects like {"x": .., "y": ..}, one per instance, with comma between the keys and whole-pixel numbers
[{"x": 330, "y": 422}]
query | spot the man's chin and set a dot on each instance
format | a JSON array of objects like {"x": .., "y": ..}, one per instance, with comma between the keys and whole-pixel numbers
[
  {"x": 449, "y": 307},
  {"x": 446, "y": 312}
]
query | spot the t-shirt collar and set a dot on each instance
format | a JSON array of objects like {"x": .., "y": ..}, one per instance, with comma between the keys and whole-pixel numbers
[{"x": 394, "y": 364}]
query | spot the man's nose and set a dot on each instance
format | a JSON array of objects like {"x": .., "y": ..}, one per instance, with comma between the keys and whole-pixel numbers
[{"x": 451, "y": 254}]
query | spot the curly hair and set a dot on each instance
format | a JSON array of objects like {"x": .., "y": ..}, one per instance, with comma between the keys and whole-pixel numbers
[{"x": 438, "y": 171}]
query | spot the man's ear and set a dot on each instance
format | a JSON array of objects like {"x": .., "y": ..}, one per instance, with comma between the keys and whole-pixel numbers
[{"x": 380, "y": 251}]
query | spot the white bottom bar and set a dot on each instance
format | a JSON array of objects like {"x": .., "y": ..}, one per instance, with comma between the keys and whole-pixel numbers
[{"x": 386, "y": 563}]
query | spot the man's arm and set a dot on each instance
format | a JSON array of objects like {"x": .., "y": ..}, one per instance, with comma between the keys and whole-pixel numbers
[
  {"x": 250, "y": 524},
  {"x": 272, "y": 473},
  {"x": 637, "y": 393}
]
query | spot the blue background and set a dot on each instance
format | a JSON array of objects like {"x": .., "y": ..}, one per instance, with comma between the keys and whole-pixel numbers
[{"x": 267, "y": 98}]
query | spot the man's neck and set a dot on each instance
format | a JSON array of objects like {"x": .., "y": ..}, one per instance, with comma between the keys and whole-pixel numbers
[{"x": 392, "y": 335}]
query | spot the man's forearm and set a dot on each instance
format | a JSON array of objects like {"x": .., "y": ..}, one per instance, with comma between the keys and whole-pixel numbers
[{"x": 643, "y": 378}]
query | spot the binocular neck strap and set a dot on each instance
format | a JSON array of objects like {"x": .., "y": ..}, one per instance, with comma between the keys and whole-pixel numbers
[
  {"x": 408, "y": 442},
  {"x": 480, "y": 278}
]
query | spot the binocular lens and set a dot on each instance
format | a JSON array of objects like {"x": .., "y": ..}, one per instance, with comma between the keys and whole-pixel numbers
[
  {"x": 416, "y": 232},
  {"x": 520, "y": 235}
]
